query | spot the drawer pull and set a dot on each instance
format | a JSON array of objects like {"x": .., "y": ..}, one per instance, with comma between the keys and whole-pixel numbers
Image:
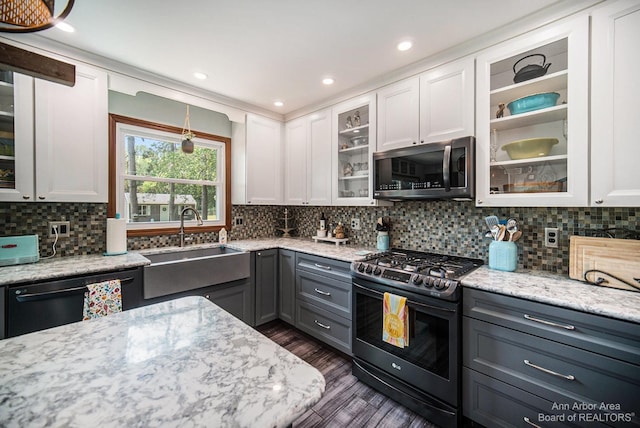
[
  {"x": 527, "y": 420},
  {"x": 553, "y": 324},
  {"x": 318, "y": 323},
  {"x": 324, "y": 293},
  {"x": 551, "y": 372},
  {"x": 325, "y": 267}
]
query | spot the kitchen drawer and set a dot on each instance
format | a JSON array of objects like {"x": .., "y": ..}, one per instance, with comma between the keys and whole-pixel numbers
[
  {"x": 493, "y": 403},
  {"x": 606, "y": 336},
  {"x": 329, "y": 268},
  {"x": 325, "y": 326},
  {"x": 580, "y": 376},
  {"x": 327, "y": 293}
]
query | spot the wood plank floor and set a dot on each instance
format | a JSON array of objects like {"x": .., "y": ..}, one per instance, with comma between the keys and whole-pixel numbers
[{"x": 346, "y": 402}]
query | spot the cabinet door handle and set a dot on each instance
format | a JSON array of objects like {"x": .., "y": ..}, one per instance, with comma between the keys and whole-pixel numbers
[
  {"x": 551, "y": 372},
  {"x": 527, "y": 420},
  {"x": 26, "y": 197},
  {"x": 324, "y": 293},
  {"x": 41, "y": 198},
  {"x": 328, "y": 327},
  {"x": 325, "y": 267},
  {"x": 599, "y": 201},
  {"x": 553, "y": 324}
]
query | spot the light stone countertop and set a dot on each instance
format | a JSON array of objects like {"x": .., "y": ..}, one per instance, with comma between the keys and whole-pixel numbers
[
  {"x": 558, "y": 290},
  {"x": 182, "y": 363}
]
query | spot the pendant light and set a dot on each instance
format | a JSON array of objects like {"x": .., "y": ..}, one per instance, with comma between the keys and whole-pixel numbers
[
  {"x": 187, "y": 135},
  {"x": 27, "y": 16}
]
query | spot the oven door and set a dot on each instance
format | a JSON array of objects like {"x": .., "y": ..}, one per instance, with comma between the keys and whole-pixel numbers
[{"x": 430, "y": 362}]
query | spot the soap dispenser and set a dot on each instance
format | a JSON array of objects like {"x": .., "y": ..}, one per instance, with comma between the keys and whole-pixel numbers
[{"x": 222, "y": 236}]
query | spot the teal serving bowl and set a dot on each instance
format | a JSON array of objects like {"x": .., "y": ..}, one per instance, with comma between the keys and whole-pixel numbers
[{"x": 533, "y": 102}]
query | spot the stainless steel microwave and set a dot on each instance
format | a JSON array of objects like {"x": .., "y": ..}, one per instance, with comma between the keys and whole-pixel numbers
[{"x": 427, "y": 171}]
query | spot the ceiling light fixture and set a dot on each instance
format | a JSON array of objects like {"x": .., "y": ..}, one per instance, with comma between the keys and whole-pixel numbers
[
  {"x": 328, "y": 81},
  {"x": 405, "y": 45},
  {"x": 28, "y": 16},
  {"x": 199, "y": 75},
  {"x": 187, "y": 135},
  {"x": 278, "y": 103}
]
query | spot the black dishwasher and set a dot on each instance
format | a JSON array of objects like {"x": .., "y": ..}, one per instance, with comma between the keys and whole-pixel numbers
[{"x": 38, "y": 306}]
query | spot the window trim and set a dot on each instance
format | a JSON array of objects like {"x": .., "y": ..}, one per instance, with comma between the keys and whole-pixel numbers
[{"x": 114, "y": 120}]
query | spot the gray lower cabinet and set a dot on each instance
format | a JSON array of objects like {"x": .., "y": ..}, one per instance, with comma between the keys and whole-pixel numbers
[
  {"x": 234, "y": 297},
  {"x": 266, "y": 284},
  {"x": 3, "y": 291},
  {"x": 287, "y": 286},
  {"x": 323, "y": 300},
  {"x": 531, "y": 364}
]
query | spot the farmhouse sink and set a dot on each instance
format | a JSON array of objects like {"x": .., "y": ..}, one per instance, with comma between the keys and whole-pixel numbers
[{"x": 189, "y": 269}]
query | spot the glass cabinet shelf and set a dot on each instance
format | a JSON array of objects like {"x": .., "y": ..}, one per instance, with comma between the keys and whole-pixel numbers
[
  {"x": 549, "y": 114},
  {"x": 530, "y": 160}
]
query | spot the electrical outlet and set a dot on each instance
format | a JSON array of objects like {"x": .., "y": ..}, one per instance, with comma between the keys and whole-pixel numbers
[
  {"x": 355, "y": 224},
  {"x": 551, "y": 237},
  {"x": 64, "y": 227},
  {"x": 239, "y": 221}
]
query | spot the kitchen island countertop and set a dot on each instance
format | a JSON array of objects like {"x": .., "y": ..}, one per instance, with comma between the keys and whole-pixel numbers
[{"x": 182, "y": 363}]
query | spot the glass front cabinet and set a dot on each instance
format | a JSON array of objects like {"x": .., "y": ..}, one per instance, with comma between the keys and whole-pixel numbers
[
  {"x": 532, "y": 119},
  {"x": 354, "y": 140},
  {"x": 16, "y": 137}
]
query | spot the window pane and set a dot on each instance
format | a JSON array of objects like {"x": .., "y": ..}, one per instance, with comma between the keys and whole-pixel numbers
[
  {"x": 148, "y": 201},
  {"x": 165, "y": 159}
]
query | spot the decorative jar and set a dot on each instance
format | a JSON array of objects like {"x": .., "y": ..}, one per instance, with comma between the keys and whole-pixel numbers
[{"x": 503, "y": 255}]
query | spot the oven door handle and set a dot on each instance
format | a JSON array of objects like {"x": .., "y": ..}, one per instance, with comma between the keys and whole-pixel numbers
[{"x": 437, "y": 308}]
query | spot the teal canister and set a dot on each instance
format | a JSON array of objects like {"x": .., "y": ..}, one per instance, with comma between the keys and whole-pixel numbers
[
  {"x": 503, "y": 255},
  {"x": 383, "y": 241}
]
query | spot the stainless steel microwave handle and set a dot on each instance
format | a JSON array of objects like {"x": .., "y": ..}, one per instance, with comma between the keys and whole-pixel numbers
[
  {"x": 446, "y": 171},
  {"x": 438, "y": 308}
]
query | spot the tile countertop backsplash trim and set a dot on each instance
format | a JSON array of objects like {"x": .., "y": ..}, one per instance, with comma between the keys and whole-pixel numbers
[
  {"x": 558, "y": 290},
  {"x": 544, "y": 287}
]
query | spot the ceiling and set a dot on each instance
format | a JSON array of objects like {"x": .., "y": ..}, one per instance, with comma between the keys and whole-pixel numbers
[{"x": 260, "y": 51}]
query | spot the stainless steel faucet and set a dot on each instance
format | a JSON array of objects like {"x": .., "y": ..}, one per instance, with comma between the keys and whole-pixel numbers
[{"x": 181, "y": 231}]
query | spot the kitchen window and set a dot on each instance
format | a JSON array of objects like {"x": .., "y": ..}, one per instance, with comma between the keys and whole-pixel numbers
[{"x": 153, "y": 179}]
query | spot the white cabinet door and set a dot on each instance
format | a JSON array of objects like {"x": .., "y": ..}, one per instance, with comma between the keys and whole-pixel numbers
[
  {"x": 552, "y": 176},
  {"x": 295, "y": 162},
  {"x": 447, "y": 102},
  {"x": 18, "y": 124},
  {"x": 615, "y": 91},
  {"x": 264, "y": 173},
  {"x": 71, "y": 134},
  {"x": 319, "y": 158},
  {"x": 398, "y": 110}
]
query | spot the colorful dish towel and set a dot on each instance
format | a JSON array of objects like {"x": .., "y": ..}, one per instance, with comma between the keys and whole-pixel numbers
[
  {"x": 102, "y": 299},
  {"x": 395, "y": 320}
]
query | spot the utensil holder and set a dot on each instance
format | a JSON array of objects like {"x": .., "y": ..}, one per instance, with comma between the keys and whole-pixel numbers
[
  {"x": 503, "y": 255},
  {"x": 383, "y": 241}
]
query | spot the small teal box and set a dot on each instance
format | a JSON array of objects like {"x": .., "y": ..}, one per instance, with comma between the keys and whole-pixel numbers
[
  {"x": 503, "y": 255},
  {"x": 17, "y": 250}
]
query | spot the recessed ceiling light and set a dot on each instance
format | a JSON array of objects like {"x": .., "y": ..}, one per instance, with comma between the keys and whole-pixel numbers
[
  {"x": 65, "y": 27},
  {"x": 199, "y": 75},
  {"x": 405, "y": 45},
  {"x": 278, "y": 103},
  {"x": 328, "y": 81}
]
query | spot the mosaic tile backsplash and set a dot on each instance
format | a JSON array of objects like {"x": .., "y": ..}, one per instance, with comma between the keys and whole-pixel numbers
[{"x": 450, "y": 227}]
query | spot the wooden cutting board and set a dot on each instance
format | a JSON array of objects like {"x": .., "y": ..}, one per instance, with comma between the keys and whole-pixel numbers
[{"x": 618, "y": 257}]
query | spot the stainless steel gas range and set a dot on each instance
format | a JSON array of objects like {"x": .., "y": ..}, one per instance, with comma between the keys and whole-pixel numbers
[{"x": 425, "y": 375}]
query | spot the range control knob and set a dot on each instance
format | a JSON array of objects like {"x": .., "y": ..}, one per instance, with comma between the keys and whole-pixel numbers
[
  {"x": 377, "y": 271},
  {"x": 369, "y": 269},
  {"x": 428, "y": 282},
  {"x": 437, "y": 283},
  {"x": 361, "y": 267},
  {"x": 417, "y": 279}
]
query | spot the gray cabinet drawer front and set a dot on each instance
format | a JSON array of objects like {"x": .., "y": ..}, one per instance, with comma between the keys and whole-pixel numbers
[
  {"x": 327, "y": 267},
  {"x": 493, "y": 403},
  {"x": 606, "y": 336},
  {"x": 326, "y": 326},
  {"x": 327, "y": 293},
  {"x": 501, "y": 353}
]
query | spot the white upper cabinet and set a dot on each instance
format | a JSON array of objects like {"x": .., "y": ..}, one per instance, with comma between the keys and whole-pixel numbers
[
  {"x": 71, "y": 131},
  {"x": 263, "y": 160},
  {"x": 398, "y": 114},
  {"x": 66, "y": 158},
  {"x": 447, "y": 102},
  {"x": 615, "y": 91},
  {"x": 307, "y": 171},
  {"x": 535, "y": 152},
  {"x": 436, "y": 106}
]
